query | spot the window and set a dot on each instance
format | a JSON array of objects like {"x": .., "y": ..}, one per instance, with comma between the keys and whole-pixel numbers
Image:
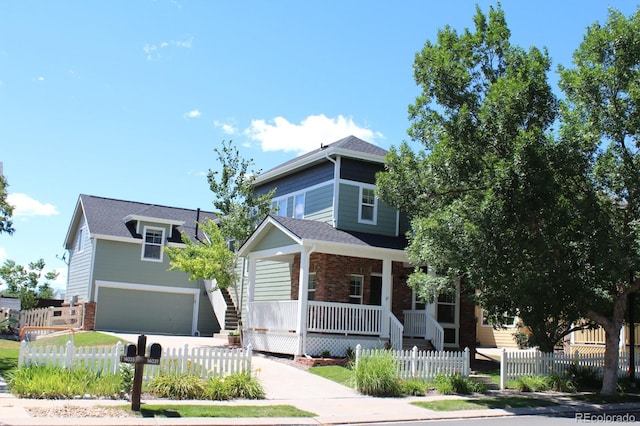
[
  {"x": 153, "y": 241},
  {"x": 355, "y": 289},
  {"x": 447, "y": 316},
  {"x": 311, "y": 294},
  {"x": 281, "y": 206},
  {"x": 509, "y": 321},
  {"x": 81, "y": 238},
  {"x": 298, "y": 210},
  {"x": 367, "y": 205}
]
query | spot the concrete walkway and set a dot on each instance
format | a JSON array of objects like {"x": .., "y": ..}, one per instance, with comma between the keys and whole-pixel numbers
[{"x": 284, "y": 384}]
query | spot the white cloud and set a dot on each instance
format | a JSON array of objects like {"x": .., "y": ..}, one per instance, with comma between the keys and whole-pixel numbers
[
  {"x": 229, "y": 129},
  {"x": 153, "y": 51},
  {"x": 192, "y": 114},
  {"x": 23, "y": 205},
  {"x": 281, "y": 135}
]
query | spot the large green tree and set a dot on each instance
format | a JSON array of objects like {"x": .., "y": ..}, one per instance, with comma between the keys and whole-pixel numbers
[
  {"x": 6, "y": 209},
  {"x": 601, "y": 118},
  {"x": 27, "y": 283},
  {"x": 492, "y": 197}
]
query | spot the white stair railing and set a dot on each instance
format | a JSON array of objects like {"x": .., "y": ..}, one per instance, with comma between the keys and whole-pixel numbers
[{"x": 434, "y": 332}]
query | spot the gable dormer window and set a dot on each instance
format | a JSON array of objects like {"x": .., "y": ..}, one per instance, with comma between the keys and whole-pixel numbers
[
  {"x": 153, "y": 242},
  {"x": 367, "y": 213}
]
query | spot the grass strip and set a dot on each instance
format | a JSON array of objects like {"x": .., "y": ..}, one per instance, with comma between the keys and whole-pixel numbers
[
  {"x": 484, "y": 403},
  {"x": 335, "y": 373},
  {"x": 188, "y": 410}
]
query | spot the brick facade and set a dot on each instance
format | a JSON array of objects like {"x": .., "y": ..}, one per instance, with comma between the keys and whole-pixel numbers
[
  {"x": 333, "y": 274},
  {"x": 89, "y": 316}
]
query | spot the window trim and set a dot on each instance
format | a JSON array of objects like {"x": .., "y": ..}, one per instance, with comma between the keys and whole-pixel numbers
[
  {"x": 277, "y": 202},
  {"x": 311, "y": 290},
  {"x": 360, "y": 296},
  {"x": 484, "y": 323},
  {"x": 456, "y": 324},
  {"x": 374, "y": 206},
  {"x": 81, "y": 239},
  {"x": 144, "y": 243}
]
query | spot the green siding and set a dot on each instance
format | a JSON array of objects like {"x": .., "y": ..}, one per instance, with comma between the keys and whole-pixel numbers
[
  {"x": 273, "y": 281},
  {"x": 273, "y": 239},
  {"x": 348, "y": 213},
  {"x": 120, "y": 262},
  {"x": 144, "y": 311},
  {"x": 318, "y": 204},
  {"x": 80, "y": 267}
]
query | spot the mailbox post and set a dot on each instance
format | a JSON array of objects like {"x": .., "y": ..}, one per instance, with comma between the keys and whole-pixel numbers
[{"x": 136, "y": 355}]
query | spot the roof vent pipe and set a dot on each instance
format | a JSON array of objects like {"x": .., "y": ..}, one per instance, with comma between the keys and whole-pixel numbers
[{"x": 197, "y": 222}]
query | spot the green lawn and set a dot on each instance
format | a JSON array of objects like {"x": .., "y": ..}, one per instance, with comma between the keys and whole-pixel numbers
[
  {"x": 188, "y": 410},
  {"x": 336, "y": 373},
  {"x": 80, "y": 338},
  {"x": 9, "y": 349},
  {"x": 484, "y": 403}
]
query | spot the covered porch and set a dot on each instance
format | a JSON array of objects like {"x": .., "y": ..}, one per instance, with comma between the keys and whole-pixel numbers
[{"x": 307, "y": 296}]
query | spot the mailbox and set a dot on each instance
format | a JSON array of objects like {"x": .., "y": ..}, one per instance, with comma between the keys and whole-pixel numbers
[
  {"x": 130, "y": 350},
  {"x": 156, "y": 351}
]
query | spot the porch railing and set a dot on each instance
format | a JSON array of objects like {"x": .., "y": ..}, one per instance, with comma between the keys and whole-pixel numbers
[
  {"x": 418, "y": 323},
  {"x": 280, "y": 315},
  {"x": 345, "y": 318},
  {"x": 395, "y": 332}
]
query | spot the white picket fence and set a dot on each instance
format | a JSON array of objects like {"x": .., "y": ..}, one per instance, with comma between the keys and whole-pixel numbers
[
  {"x": 425, "y": 365},
  {"x": 202, "y": 361},
  {"x": 533, "y": 363}
]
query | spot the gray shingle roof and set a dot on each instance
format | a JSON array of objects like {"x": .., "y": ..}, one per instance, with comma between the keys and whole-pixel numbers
[
  {"x": 321, "y": 231},
  {"x": 105, "y": 216},
  {"x": 350, "y": 143}
]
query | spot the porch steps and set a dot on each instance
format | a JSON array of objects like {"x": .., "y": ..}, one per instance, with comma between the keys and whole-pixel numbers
[
  {"x": 422, "y": 344},
  {"x": 231, "y": 316}
]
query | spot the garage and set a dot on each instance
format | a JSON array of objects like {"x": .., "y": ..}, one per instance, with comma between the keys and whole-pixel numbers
[{"x": 137, "y": 308}]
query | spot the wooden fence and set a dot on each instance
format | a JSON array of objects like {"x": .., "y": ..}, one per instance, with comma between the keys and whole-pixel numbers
[
  {"x": 47, "y": 319},
  {"x": 425, "y": 365},
  {"x": 202, "y": 361},
  {"x": 533, "y": 362}
]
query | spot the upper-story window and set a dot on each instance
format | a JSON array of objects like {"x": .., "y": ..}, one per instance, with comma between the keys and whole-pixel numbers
[
  {"x": 81, "y": 239},
  {"x": 281, "y": 206},
  {"x": 368, "y": 204},
  {"x": 153, "y": 242}
]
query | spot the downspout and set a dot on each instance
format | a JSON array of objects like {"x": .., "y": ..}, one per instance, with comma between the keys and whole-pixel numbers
[{"x": 336, "y": 183}]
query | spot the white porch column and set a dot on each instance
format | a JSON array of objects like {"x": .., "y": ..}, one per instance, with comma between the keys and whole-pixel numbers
[
  {"x": 386, "y": 296},
  {"x": 303, "y": 293},
  {"x": 251, "y": 289}
]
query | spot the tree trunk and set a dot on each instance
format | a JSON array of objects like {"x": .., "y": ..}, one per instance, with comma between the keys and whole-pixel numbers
[{"x": 611, "y": 358}]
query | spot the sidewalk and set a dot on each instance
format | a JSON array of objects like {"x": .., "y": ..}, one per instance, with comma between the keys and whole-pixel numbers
[{"x": 284, "y": 384}]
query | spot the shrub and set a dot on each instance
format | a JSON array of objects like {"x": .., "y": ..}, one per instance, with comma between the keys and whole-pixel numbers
[
  {"x": 243, "y": 385},
  {"x": 48, "y": 382},
  {"x": 377, "y": 375},
  {"x": 413, "y": 387},
  {"x": 457, "y": 384},
  {"x": 530, "y": 383},
  {"x": 177, "y": 386}
]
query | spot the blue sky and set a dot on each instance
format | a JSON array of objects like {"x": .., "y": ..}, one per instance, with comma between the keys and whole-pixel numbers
[{"x": 128, "y": 99}]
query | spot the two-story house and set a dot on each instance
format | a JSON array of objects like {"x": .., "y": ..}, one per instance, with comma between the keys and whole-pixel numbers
[
  {"x": 328, "y": 270},
  {"x": 117, "y": 267}
]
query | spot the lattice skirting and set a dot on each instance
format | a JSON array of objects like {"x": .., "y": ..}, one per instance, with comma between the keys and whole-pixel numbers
[
  {"x": 337, "y": 346},
  {"x": 279, "y": 343},
  {"x": 314, "y": 345}
]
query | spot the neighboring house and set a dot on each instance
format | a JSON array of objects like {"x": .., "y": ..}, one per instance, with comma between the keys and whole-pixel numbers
[
  {"x": 328, "y": 270},
  {"x": 117, "y": 262}
]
